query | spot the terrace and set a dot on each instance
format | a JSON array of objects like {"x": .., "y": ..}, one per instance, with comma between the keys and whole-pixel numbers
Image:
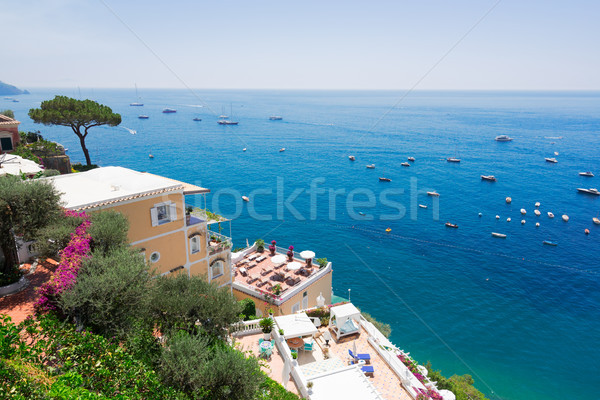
[{"x": 258, "y": 273}]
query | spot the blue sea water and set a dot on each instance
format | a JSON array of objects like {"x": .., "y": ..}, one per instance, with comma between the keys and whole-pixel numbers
[{"x": 522, "y": 318}]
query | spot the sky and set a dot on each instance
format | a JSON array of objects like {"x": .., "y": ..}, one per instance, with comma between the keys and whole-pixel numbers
[{"x": 327, "y": 44}]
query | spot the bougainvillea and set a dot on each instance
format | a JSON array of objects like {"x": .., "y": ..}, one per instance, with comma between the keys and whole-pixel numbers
[
  {"x": 412, "y": 366},
  {"x": 71, "y": 258}
]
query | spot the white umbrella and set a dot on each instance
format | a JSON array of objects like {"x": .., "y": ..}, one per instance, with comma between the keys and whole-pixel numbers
[
  {"x": 278, "y": 259},
  {"x": 447, "y": 395},
  {"x": 307, "y": 254},
  {"x": 15, "y": 165},
  {"x": 294, "y": 265}
]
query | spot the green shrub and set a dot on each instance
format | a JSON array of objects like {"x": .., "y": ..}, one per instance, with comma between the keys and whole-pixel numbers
[
  {"x": 460, "y": 385},
  {"x": 384, "y": 328},
  {"x": 55, "y": 236},
  {"x": 272, "y": 390},
  {"x": 78, "y": 167},
  {"x": 248, "y": 308},
  {"x": 108, "y": 230},
  {"x": 322, "y": 262}
]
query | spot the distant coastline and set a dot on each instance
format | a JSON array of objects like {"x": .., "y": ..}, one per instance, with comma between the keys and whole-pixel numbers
[{"x": 6, "y": 89}]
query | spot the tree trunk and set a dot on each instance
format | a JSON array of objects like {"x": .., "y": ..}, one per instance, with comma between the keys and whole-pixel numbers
[
  {"x": 85, "y": 150},
  {"x": 9, "y": 249}
]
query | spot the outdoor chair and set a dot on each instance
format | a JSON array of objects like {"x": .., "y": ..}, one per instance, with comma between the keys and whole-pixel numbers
[
  {"x": 243, "y": 271},
  {"x": 368, "y": 370},
  {"x": 356, "y": 357},
  {"x": 308, "y": 346}
]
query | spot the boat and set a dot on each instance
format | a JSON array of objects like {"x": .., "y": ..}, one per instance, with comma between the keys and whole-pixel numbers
[
  {"x": 498, "y": 235},
  {"x": 282, "y": 149},
  {"x": 596, "y": 221},
  {"x": 497, "y": 217},
  {"x": 136, "y": 104},
  {"x": 491, "y": 178},
  {"x": 245, "y": 198},
  {"x": 593, "y": 191},
  {"x": 549, "y": 243},
  {"x": 508, "y": 219},
  {"x": 226, "y": 122},
  {"x": 275, "y": 118},
  {"x": 450, "y": 225},
  {"x": 381, "y": 179},
  {"x": 537, "y": 203},
  {"x": 150, "y": 156},
  {"x": 453, "y": 159},
  {"x": 551, "y": 160},
  {"x": 371, "y": 166},
  {"x": 351, "y": 158},
  {"x": 143, "y": 117},
  {"x": 197, "y": 119},
  {"x": 565, "y": 217},
  {"x": 523, "y": 211},
  {"x": 586, "y": 173},
  {"x": 503, "y": 138},
  {"x": 433, "y": 193},
  {"x": 537, "y": 212},
  {"x": 422, "y": 206},
  {"x": 587, "y": 231},
  {"x": 508, "y": 200},
  {"x": 388, "y": 230},
  {"x": 522, "y": 222},
  {"x": 223, "y": 116},
  {"x": 550, "y": 215},
  {"x": 15, "y": 100},
  {"x": 537, "y": 224},
  {"x": 405, "y": 164},
  {"x": 412, "y": 159},
  {"x": 244, "y": 149},
  {"x": 169, "y": 111},
  {"x": 361, "y": 213},
  {"x": 556, "y": 153}
]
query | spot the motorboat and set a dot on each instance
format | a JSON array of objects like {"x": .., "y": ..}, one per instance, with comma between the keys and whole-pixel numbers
[
  {"x": 503, "y": 138},
  {"x": 490, "y": 178},
  {"x": 451, "y": 225},
  {"x": 411, "y": 159},
  {"x": 596, "y": 221},
  {"x": 523, "y": 211},
  {"x": 537, "y": 224},
  {"x": 405, "y": 164},
  {"x": 371, "y": 166},
  {"x": 143, "y": 117},
  {"x": 565, "y": 217},
  {"x": 245, "y": 198},
  {"x": 550, "y": 215},
  {"x": 587, "y": 231},
  {"x": 508, "y": 200},
  {"x": 549, "y": 243},
  {"x": 537, "y": 203},
  {"x": 433, "y": 193},
  {"x": 556, "y": 153},
  {"x": 522, "y": 222},
  {"x": 551, "y": 160},
  {"x": 150, "y": 156},
  {"x": 508, "y": 219},
  {"x": 244, "y": 149},
  {"x": 197, "y": 119},
  {"x": 275, "y": 118},
  {"x": 593, "y": 191},
  {"x": 136, "y": 104},
  {"x": 537, "y": 212},
  {"x": 498, "y": 235},
  {"x": 352, "y": 158},
  {"x": 169, "y": 111},
  {"x": 282, "y": 149},
  {"x": 497, "y": 217},
  {"x": 586, "y": 173},
  {"x": 453, "y": 159},
  {"x": 422, "y": 206},
  {"x": 381, "y": 179},
  {"x": 361, "y": 213}
]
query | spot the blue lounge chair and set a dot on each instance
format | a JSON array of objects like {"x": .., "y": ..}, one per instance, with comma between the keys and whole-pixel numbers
[
  {"x": 308, "y": 346},
  {"x": 368, "y": 370},
  {"x": 365, "y": 356}
]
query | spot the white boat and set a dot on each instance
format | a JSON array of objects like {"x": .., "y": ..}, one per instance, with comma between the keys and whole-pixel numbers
[
  {"x": 453, "y": 159},
  {"x": 498, "y": 235},
  {"x": 537, "y": 224},
  {"x": 497, "y": 217},
  {"x": 556, "y": 153},
  {"x": 508, "y": 219},
  {"x": 227, "y": 122},
  {"x": 244, "y": 149},
  {"x": 523, "y": 211},
  {"x": 275, "y": 118},
  {"x": 384, "y": 179},
  {"x": 503, "y": 138},
  {"x": 352, "y": 158},
  {"x": 245, "y": 198},
  {"x": 551, "y": 160},
  {"x": 169, "y": 111},
  {"x": 136, "y": 104},
  {"x": 508, "y": 200},
  {"x": 143, "y": 117},
  {"x": 405, "y": 164},
  {"x": 586, "y": 173},
  {"x": 150, "y": 156},
  {"x": 282, "y": 149},
  {"x": 491, "y": 178},
  {"x": 593, "y": 191},
  {"x": 537, "y": 203},
  {"x": 412, "y": 159},
  {"x": 422, "y": 206},
  {"x": 522, "y": 222},
  {"x": 596, "y": 221},
  {"x": 371, "y": 166},
  {"x": 550, "y": 215},
  {"x": 565, "y": 217},
  {"x": 433, "y": 193},
  {"x": 537, "y": 212}
]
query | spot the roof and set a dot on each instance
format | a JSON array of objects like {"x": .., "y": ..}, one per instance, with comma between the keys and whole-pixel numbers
[
  {"x": 345, "y": 310},
  {"x": 347, "y": 383},
  {"x": 4, "y": 120},
  {"x": 188, "y": 188},
  {"x": 108, "y": 185},
  {"x": 296, "y": 325}
]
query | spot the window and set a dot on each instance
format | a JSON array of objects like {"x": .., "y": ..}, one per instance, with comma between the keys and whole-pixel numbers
[
  {"x": 163, "y": 213},
  {"x": 216, "y": 269},
  {"x": 195, "y": 244},
  {"x": 304, "y": 300},
  {"x": 296, "y": 308},
  {"x": 6, "y": 144},
  {"x": 155, "y": 256}
]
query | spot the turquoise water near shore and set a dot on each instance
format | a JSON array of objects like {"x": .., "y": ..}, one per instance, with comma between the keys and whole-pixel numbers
[{"x": 521, "y": 317}]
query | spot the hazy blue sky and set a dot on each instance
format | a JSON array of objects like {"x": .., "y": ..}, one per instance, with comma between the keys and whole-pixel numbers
[{"x": 302, "y": 44}]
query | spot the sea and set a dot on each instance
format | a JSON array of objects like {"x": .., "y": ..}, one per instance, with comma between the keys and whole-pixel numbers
[{"x": 522, "y": 318}]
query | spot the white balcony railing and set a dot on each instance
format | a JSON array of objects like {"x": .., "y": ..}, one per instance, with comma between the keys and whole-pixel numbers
[{"x": 244, "y": 328}]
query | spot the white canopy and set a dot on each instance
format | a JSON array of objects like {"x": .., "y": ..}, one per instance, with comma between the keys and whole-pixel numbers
[
  {"x": 296, "y": 325},
  {"x": 278, "y": 259},
  {"x": 15, "y": 165},
  {"x": 347, "y": 383},
  {"x": 344, "y": 312},
  {"x": 306, "y": 254},
  {"x": 447, "y": 395},
  {"x": 294, "y": 265}
]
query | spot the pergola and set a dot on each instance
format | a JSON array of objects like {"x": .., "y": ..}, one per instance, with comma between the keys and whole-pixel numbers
[
  {"x": 296, "y": 325},
  {"x": 344, "y": 320}
]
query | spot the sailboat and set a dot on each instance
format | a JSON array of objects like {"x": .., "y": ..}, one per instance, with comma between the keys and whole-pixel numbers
[
  {"x": 136, "y": 104},
  {"x": 454, "y": 159},
  {"x": 225, "y": 121}
]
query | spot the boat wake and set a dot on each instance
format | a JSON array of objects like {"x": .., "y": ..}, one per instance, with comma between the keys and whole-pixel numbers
[{"x": 132, "y": 131}]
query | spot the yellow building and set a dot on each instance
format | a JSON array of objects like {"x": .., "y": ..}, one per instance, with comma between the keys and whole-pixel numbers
[{"x": 172, "y": 239}]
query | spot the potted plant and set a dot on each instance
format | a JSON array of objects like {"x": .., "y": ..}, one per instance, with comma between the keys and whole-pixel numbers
[
  {"x": 266, "y": 324},
  {"x": 276, "y": 289},
  {"x": 270, "y": 311},
  {"x": 290, "y": 253},
  {"x": 280, "y": 332},
  {"x": 260, "y": 245},
  {"x": 309, "y": 386},
  {"x": 273, "y": 247},
  {"x": 188, "y": 214}
]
